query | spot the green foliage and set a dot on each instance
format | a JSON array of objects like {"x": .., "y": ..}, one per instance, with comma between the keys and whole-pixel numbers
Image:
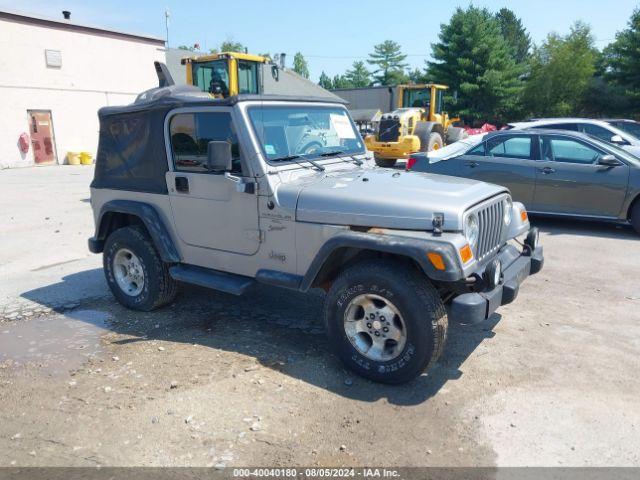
[
  {"x": 622, "y": 60},
  {"x": 358, "y": 76},
  {"x": 300, "y": 65},
  {"x": 515, "y": 34},
  {"x": 474, "y": 59},
  {"x": 341, "y": 81},
  {"x": 418, "y": 76},
  {"x": 229, "y": 45},
  {"x": 561, "y": 72},
  {"x": 325, "y": 81},
  {"x": 389, "y": 63}
]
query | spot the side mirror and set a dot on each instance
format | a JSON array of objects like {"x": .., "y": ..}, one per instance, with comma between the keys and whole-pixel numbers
[
  {"x": 219, "y": 156},
  {"x": 618, "y": 139},
  {"x": 609, "y": 161}
]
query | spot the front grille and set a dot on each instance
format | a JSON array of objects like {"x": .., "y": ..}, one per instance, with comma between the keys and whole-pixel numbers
[
  {"x": 491, "y": 223},
  {"x": 389, "y": 130}
]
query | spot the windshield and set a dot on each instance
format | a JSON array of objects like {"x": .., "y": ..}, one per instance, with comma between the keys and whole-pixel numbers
[
  {"x": 618, "y": 151},
  {"x": 416, "y": 98},
  {"x": 212, "y": 77},
  {"x": 631, "y": 128},
  {"x": 288, "y": 132}
]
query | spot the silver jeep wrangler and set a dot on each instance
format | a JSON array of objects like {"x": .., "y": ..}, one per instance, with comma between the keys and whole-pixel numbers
[{"x": 224, "y": 193}]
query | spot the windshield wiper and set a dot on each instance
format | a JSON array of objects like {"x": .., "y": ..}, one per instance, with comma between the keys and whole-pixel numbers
[
  {"x": 336, "y": 153},
  {"x": 333, "y": 153},
  {"x": 295, "y": 157}
]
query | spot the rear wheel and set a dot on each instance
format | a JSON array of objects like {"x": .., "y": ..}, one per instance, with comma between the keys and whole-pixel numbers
[
  {"x": 385, "y": 320},
  {"x": 635, "y": 216},
  {"x": 135, "y": 273},
  {"x": 384, "y": 162}
]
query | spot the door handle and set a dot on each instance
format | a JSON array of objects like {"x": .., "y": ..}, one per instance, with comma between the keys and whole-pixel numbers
[
  {"x": 182, "y": 184},
  {"x": 472, "y": 164},
  {"x": 547, "y": 170}
]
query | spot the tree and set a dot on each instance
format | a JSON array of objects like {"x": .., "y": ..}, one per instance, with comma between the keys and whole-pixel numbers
[
  {"x": 622, "y": 60},
  {"x": 388, "y": 60},
  {"x": 229, "y": 45},
  {"x": 561, "y": 71},
  {"x": 325, "y": 81},
  {"x": 300, "y": 65},
  {"x": 340, "y": 81},
  {"x": 418, "y": 76},
  {"x": 515, "y": 34},
  {"x": 474, "y": 59},
  {"x": 358, "y": 76}
]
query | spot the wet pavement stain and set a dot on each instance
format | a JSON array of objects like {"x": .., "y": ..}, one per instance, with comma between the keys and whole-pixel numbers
[{"x": 57, "y": 343}]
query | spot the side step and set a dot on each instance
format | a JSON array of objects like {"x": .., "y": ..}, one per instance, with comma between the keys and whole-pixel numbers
[{"x": 214, "y": 279}]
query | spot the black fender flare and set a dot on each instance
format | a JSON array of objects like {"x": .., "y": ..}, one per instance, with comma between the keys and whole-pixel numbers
[
  {"x": 413, "y": 248},
  {"x": 149, "y": 216}
]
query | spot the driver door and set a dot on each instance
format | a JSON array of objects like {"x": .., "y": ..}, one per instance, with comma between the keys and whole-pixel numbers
[
  {"x": 570, "y": 181},
  {"x": 209, "y": 210}
]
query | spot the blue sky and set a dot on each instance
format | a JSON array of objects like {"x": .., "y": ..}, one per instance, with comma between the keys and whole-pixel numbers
[{"x": 330, "y": 33}]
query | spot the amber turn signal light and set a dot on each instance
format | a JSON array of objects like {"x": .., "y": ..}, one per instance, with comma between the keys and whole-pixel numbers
[
  {"x": 436, "y": 260},
  {"x": 466, "y": 254},
  {"x": 523, "y": 215}
]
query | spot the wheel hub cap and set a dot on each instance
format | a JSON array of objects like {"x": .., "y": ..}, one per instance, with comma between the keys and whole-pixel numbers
[
  {"x": 128, "y": 272},
  {"x": 375, "y": 327}
]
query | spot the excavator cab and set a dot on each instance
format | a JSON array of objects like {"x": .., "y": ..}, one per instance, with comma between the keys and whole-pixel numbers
[{"x": 225, "y": 74}]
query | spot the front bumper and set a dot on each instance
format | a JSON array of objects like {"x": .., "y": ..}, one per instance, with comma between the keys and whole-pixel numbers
[
  {"x": 392, "y": 150},
  {"x": 516, "y": 267}
]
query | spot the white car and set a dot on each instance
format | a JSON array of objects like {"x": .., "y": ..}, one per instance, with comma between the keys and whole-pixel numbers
[{"x": 602, "y": 129}]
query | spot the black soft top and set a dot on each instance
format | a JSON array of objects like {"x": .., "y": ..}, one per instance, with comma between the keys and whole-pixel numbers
[{"x": 131, "y": 151}]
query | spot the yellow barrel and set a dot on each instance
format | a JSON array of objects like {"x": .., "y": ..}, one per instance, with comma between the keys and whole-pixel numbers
[
  {"x": 86, "y": 158},
  {"x": 73, "y": 158}
]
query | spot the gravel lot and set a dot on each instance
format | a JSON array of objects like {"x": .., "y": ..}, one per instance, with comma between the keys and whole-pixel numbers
[{"x": 222, "y": 380}]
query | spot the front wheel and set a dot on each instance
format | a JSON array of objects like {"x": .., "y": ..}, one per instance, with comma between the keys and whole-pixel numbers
[
  {"x": 385, "y": 320},
  {"x": 635, "y": 217}
]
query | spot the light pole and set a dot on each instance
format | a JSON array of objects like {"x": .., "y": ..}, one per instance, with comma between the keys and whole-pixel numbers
[{"x": 166, "y": 23}]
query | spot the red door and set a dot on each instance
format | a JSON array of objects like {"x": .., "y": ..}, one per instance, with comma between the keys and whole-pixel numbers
[{"x": 41, "y": 128}]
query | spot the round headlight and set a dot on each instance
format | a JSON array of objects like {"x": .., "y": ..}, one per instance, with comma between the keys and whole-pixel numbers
[
  {"x": 508, "y": 210},
  {"x": 471, "y": 230}
]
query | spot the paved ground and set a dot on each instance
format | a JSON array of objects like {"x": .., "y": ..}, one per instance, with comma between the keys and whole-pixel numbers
[{"x": 215, "y": 379}]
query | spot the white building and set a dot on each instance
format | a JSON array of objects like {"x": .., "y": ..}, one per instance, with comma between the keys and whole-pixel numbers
[{"x": 55, "y": 75}]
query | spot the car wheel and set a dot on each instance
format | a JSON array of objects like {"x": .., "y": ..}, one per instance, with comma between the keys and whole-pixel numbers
[
  {"x": 635, "y": 216},
  {"x": 384, "y": 162},
  {"x": 385, "y": 320},
  {"x": 136, "y": 274}
]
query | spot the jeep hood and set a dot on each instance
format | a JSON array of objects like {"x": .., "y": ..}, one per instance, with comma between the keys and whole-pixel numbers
[{"x": 386, "y": 198}]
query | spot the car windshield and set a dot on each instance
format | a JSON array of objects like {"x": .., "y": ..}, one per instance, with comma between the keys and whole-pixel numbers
[
  {"x": 631, "y": 128},
  {"x": 287, "y": 132},
  {"x": 618, "y": 151}
]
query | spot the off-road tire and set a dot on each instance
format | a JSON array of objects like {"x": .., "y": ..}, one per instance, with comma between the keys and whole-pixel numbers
[
  {"x": 455, "y": 134},
  {"x": 418, "y": 302},
  {"x": 435, "y": 142},
  {"x": 159, "y": 287},
  {"x": 384, "y": 162},
  {"x": 635, "y": 216}
]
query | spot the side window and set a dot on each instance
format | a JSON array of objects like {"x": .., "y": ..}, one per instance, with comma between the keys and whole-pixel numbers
[
  {"x": 568, "y": 151},
  {"x": 509, "y": 147},
  {"x": 478, "y": 150},
  {"x": 247, "y": 77},
  {"x": 597, "y": 131},
  {"x": 191, "y": 134}
]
